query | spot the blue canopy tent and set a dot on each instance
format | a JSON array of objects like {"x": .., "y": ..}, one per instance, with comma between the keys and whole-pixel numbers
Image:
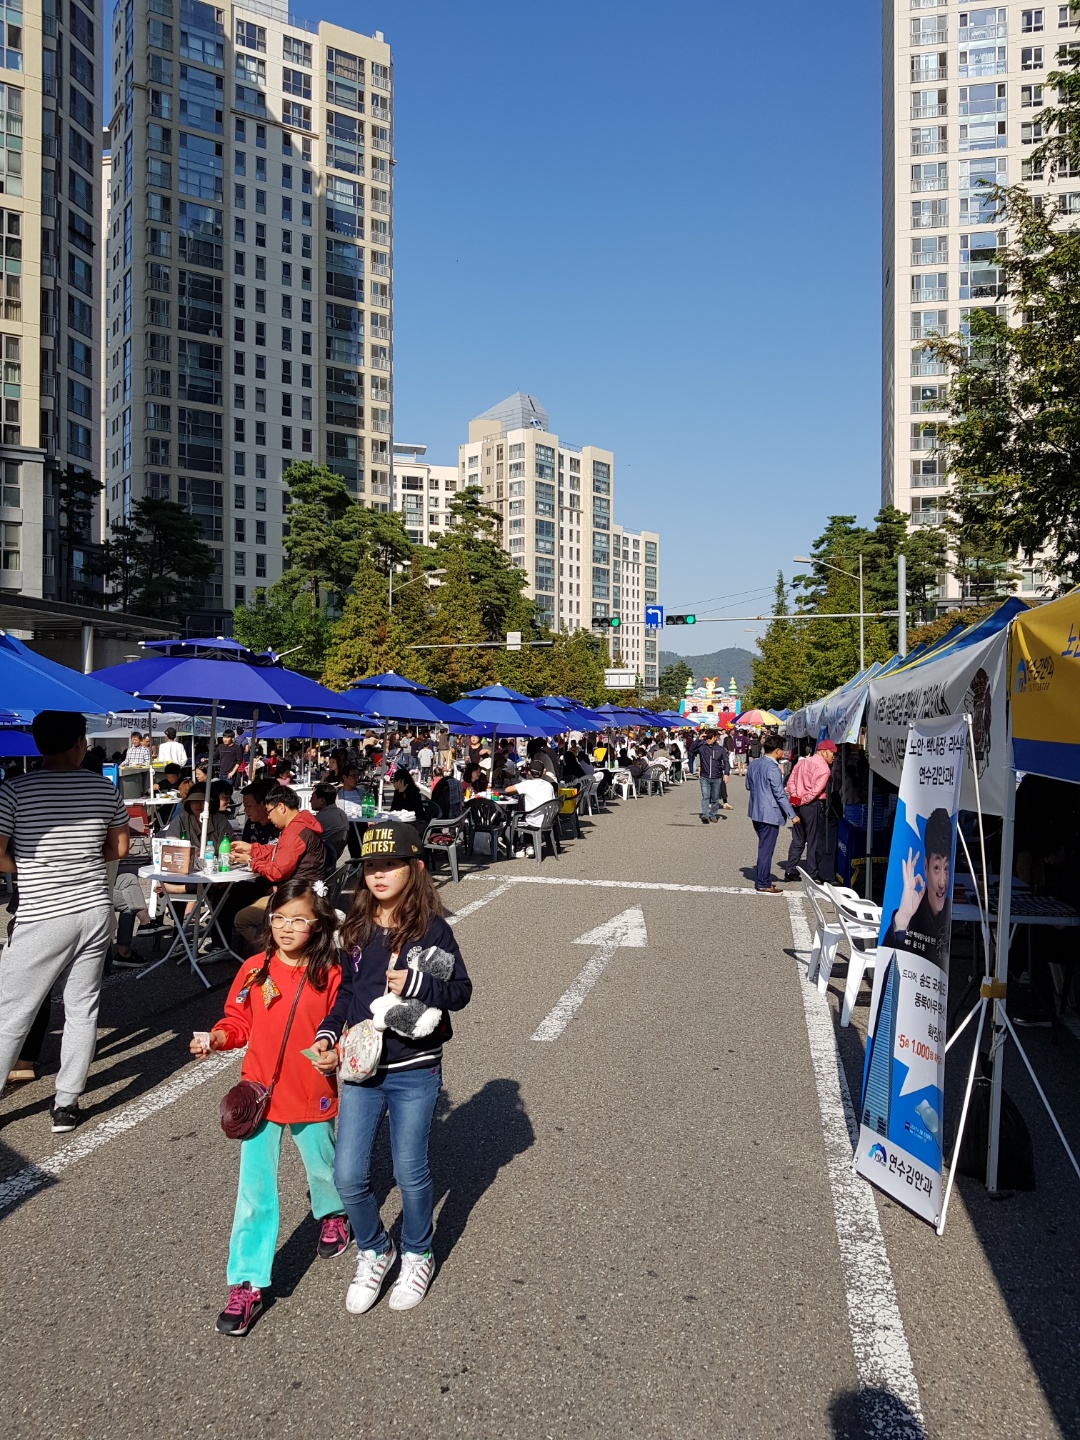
[
  {"x": 31, "y": 683},
  {"x": 392, "y": 697},
  {"x": 220, "y": 676},
  {"x": 17, "y": 743},
  {"x": 509, "y": 711},
  {"x": 573, "y": 715},
  {"x": 295, "y": 730}
]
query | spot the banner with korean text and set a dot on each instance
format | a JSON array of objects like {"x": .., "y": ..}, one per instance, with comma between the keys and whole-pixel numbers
[{"x": 900, "y": 1115}]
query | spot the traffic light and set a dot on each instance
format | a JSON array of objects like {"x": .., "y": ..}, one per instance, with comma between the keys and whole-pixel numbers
[
  {"x": 607, "y": 621},
  {"x": 681, "y": 620}
]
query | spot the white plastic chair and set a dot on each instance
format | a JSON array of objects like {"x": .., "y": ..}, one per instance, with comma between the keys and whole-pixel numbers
[
  {"x": 863, "y": 912},
  {"x": 827, "y": 934},
  {"x": 862, "y": 942},
  {"x": 624, "y": 781}
]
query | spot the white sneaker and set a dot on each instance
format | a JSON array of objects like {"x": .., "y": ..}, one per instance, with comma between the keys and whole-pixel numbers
[
  {"x": 413, "y": 1281},
  {"x": 371, "y": 1272}
]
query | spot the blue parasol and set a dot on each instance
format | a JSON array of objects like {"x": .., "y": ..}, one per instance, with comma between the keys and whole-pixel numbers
[{"x": 30, "y": 684}]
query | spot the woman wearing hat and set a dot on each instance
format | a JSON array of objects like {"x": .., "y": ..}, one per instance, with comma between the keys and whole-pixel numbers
[{"x": 397, "y": 944}]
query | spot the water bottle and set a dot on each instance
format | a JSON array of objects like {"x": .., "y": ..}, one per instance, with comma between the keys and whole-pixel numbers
[
  {"x": 224, "y": 855},
  {"x": 209, "y": 859},
  {"x": 367, "y": 805}
]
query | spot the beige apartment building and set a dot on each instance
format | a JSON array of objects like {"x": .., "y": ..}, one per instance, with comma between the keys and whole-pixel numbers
[
  {"x": 250, "y": 298},
  {"x": 50, "y": 214},
  {"x": 422, "y": 492},
  {"x": 962, "y": 84},
  {"x": 555, "y": 501}
]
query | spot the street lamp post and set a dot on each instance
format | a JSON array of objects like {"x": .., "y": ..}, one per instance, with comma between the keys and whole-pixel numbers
[
  {"x": 805, "y": 560},
  {"x": 427, "y": 575}
]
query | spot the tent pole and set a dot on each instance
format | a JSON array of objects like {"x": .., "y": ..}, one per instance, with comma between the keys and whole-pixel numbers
[
  {"x": 869, "y": 831},
  {"x": 209, "y": 773},
  {"x": 1004, "y": 921}
]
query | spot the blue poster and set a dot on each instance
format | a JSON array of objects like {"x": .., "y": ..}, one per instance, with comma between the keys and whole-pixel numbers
[{"x": 900, "y": 1114}]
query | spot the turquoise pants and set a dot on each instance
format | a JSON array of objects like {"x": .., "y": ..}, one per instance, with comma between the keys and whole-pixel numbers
[{"x": 256, "y": 1218}]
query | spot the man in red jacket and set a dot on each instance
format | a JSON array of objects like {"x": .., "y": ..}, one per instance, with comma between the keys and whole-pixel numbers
[{"x": 298, "y": 851}]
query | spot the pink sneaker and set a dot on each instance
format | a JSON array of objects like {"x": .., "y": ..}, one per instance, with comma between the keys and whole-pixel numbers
[
  {"x": 335, "y": 1237},
  {"x": 244, "y": 1308}
]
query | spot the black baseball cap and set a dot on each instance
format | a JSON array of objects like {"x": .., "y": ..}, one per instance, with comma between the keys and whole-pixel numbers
[{"x": 391, "y": 842}]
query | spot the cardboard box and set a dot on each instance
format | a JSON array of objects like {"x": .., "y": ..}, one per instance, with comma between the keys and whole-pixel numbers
[{"x": 176, "y": 857}]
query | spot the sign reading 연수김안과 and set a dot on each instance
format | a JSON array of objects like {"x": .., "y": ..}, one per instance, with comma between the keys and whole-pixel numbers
[{"x": 900, "y": 1115}]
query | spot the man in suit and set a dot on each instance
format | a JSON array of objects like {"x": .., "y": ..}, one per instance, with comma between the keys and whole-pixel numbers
[{"x": 770, "y": 808}]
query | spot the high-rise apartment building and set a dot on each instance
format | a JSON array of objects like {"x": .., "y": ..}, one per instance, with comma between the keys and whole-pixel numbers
[
  {"x": 962, "y": 85},
  {"x": 635, "y": 583},
  {"x": 249, "y": 298},
  {"x": 50, "y": 212},
  {"x": 556, "y": 501},
  {"x": 422, "y": 492}
]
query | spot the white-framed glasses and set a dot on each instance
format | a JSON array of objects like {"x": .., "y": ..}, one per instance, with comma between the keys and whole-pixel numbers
[{"x": 291, "y": 921}]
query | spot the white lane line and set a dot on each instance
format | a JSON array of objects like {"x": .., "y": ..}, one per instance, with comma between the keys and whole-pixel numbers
[
  {"x": 892, "y": 1409},
  {"x": 475, "y": 905},
  {"x": 617, "y": 885},
  {"x": 32, "y": 1177},
  {"x": 625, "y": 930}
]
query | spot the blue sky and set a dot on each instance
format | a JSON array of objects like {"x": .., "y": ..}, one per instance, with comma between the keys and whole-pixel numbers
[{"x": 664, "y": 222}]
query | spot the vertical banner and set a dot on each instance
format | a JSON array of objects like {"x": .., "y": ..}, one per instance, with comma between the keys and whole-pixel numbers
[{"x": 900, "y": 1116}]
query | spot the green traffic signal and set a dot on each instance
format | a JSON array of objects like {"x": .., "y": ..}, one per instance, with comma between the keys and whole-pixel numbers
[
  {"x": 681, "y": 620},
  {"x": 615, "y": 622}
]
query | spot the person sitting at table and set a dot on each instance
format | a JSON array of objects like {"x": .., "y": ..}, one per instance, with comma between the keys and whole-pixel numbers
[
  {"x": 258, "y": 827},
  {"x": 185, "y": 784},
  {"x": 534, "y": 791},
  {"x": 572, "y": 767},
  {"x": 300, "y": 851},
  {"x": 537, "y": 749},
  {"x": 286, "y": 771},
  {"x": 169, "y": 779},
  {"x": 349, "y": 796},
  {"x": 221, "y": 798},
  {"x": 186, "y": 824},
  {"x": 504, "y": 769},
  {"x": 407, "y": 796},
  {"x": 448, "y": 797},
  {"x": 334, "y": 821},
  {"x": 474, "y": 780}
]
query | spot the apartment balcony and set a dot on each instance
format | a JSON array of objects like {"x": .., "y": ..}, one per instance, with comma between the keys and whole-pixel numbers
[
  {"x": 383, "y": 145},
  {"x": 378, "y": 363},
  {"x": 383, "y": 301},
  {"x": 50, "y": 147},
  {"x": 48, "y": 205},
  {"x": 930, "y": 147},
  {"x": 929, "y": 482},
  {"x": 928, "y": 367},
  {"x": 381, "y": 207},
  {"x": 919, "y": 297},
  {"x": 925, "y": 442},
  {"x": 48, "y": 325},
  {"x": 76, "y": 447},
  {"x": 380, "y": 112},
  {"x": 923, "y": 39},
  {"x": 48, "y": 26},
  {"x": 51, "y": 86},
  {"x": 928, "y": 4},
  {"x": 929, "y": 257},
  {"x": 378, "y": 332},
  {"x": 382, "y": 82},
  {"x": 50, "y": 266},
  {"x": 162, "y": 248},
  {"x": 929, "y": 112},
  {"x": 380, "y": 270},
  {"x": 928, "y": 517},
  {"x": 48, "y": 386},
  {"x": 381, "y": 427},
  {"x": 934, "y": 182},
  {"x": 971, "y": 34},
  {"x": 932, "y": 75},
  {"x": 975, "y": 72}
]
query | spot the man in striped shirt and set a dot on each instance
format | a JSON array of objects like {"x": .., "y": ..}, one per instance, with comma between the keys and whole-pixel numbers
[{"x": 60, "y": 826}]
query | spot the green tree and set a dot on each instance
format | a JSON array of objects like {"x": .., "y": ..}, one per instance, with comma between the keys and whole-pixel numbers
[
  {"x": 574, "y": 666},
  {"x": 77, "y": 493},
  {"x": 281, "y": 619},
  {"x": 323, "y": 544},
  {"x": 457, "y": 619},
  {"x": 474, "y": 532},
  {"x": 157, "y": 563},
  {"x": 779, "y": 669},
  {"x": 673, "y": 680},
  {"x": 360, "y": 641}
]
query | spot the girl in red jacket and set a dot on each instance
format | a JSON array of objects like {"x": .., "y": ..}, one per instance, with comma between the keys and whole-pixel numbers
[{"x": 300, "y": 952}]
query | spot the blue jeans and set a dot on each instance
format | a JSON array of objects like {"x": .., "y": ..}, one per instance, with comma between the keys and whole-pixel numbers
[
  {"x": 409, "y": 1096},
  {"x": 710, "y": 796}
]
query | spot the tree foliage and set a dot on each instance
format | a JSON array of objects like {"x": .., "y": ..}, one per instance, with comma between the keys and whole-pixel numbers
[
  {"x": 281, "y": 619},
  {"x": 156, "y": 563}
]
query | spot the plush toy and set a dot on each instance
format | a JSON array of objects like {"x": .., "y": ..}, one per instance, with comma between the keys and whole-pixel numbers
[{"x": 404, "y": 1014}]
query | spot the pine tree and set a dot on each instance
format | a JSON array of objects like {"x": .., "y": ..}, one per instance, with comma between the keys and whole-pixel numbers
[
  {"x": 282, "y": 619},
  {"x": 456, "y": 621},
  {"x": 360, "y": 639}
]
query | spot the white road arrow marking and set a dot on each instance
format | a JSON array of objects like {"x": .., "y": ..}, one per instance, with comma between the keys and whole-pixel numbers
[{"x": 624, "y": 930}]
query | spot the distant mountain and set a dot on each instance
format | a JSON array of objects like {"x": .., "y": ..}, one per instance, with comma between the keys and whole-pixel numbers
[{"x": 723, "y": 663}]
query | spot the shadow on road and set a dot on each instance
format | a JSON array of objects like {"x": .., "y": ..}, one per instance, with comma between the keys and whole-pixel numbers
[{"x": 869, "y": 1414}]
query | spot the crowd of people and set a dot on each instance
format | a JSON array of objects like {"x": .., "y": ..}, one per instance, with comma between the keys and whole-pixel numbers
[{"x": 314, "y": 975}]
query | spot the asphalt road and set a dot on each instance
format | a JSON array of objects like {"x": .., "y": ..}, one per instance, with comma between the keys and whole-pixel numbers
[{"x": 646, "y": 1225}]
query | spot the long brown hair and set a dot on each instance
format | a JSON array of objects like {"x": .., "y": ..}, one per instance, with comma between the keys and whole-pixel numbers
[
  {"x": 417, "y": 906},
  {"x": 321, "y": 953}
]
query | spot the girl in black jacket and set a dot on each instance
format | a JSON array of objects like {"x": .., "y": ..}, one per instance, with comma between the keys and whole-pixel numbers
[{"x": 398, "y": 944}]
